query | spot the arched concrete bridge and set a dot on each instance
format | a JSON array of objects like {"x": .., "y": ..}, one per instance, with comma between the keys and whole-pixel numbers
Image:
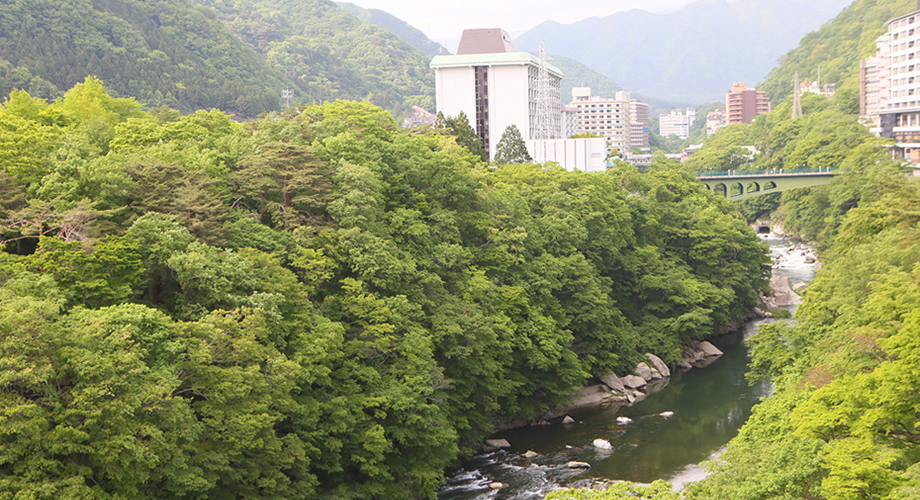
[{"x": 738, "y": 185}]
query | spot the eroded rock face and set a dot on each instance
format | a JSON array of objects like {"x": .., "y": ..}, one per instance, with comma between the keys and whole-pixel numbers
[
  {"x": 659, "y": 365},
  {"x": 644, "y": 371},
  {"x": 633, "y": 382}
]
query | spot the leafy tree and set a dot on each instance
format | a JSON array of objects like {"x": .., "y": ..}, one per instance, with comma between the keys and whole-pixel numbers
[
  {"x": 511, "y": 147},
  {"x": 459, "y": 127},
  {"x": 658, "y": 490}
]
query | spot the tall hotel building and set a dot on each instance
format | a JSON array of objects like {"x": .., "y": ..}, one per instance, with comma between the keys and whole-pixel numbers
[
  {"x": 495, "y": 86},
  {"x": 890, "y": 84},
  {"x": 743, "y": 104}
]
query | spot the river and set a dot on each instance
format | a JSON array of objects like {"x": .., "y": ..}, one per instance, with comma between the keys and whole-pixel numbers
[{"x": 710, "y": 404}]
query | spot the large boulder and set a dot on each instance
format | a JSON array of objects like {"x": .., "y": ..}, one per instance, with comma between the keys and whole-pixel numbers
[
  {"x": 659, "y": 365},
  {"x": 613, "y": 382},
  {"x": 782, "y": 294},
  {"x": 633, "y": 382},
  {"x": 644, "y": 371},
  {"x": 498, "y": 443},
  {"x": 708, "y": 349}
]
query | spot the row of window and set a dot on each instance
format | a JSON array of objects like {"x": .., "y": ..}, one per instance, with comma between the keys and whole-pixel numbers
[
  {"x": 902, "y": 34},
  {"x": 901, "y": 23}
]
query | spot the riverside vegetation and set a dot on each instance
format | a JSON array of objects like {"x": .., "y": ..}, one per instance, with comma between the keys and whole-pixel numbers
[
  {"x": 317, "y": 304},
  {"x": 842, "y": 423}
]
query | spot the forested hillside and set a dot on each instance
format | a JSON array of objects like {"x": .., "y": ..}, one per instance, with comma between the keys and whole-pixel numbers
[
  {"x": 842, "y": 422},
  {"x": 398, "y": 27},
  {"x": 317, "y": 304},
  {"x": 162, "y": 52},
  {"x": 330, "y": 54},
  {"x": 836, "y": 49},
  {"x": 180, "y": 53}
]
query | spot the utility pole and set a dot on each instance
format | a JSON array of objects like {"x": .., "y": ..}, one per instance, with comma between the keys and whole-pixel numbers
[
  {"x": 287, "y": 94},
  {"x": 796, "y": 99}
]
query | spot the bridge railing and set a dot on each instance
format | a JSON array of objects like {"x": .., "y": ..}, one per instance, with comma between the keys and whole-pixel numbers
[{"x": 772, "y": 171}]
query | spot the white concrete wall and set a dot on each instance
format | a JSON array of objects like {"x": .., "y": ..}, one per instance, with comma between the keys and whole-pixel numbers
[
  {"x": 456, "y": 92},
  {"x": 508, "y": 102},
  {"x": 586, "y": 155}
]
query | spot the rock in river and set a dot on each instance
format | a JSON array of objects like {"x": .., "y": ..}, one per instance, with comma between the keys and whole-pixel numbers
[
  {"x": 633, "y": 382},
  {"x": 498, "y": 443},
  {"x": 659, "y": 365}
]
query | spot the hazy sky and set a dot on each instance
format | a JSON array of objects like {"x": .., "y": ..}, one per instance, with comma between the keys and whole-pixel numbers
[{"x": 448, "y": 19}]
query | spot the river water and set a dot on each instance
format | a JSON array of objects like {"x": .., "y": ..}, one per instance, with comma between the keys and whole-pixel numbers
[{"x": 710, "y": 404}]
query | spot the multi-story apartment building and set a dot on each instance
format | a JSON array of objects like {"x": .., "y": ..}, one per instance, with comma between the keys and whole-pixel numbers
[
  {"x": 618, "y": 120},
  {"x": 495, "y": 87},
  {"x": 676, "y": 123},
  {"x": 743, "y": 104},
  {"x": 638, "y": 121},
  {"x": 875, "y": 83},
  {"x": 714, "y": 121},
  {"x": 890, "y": 84},
  {"x": 569, "y": 121}
]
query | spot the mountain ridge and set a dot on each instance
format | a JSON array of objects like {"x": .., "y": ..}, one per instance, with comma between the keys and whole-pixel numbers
[{"x": 659, "y": 55}]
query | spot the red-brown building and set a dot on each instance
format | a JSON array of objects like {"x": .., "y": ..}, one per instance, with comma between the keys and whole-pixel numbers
[{"x": 743, "y": 104}]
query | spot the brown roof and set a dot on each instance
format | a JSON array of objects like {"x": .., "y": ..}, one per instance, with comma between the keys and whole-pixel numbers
[{"x": 484, "y": 41}]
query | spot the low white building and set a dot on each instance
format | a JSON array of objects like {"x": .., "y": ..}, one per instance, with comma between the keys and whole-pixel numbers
[
  {"x": 586, "y": 155},
  {"x": 676, "y": 123}
]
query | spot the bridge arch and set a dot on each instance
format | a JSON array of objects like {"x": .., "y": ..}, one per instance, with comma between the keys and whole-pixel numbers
[
  {"x": 769, "y": 185},
  {"x": 720, "y": 189},
  {"x": 753, "y": 187},
  {"x": 736, "y": 189}
]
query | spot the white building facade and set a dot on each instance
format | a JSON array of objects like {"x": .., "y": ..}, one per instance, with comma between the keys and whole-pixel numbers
[
  {"x": 495, "y": 87},
  {"x": 616, "y": 119},
  {"x": 890, "y": 85},
  {"x": 676, "y": 123}
]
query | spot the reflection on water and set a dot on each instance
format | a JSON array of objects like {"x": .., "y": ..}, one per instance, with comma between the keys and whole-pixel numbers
[{"x": 709, "y": 406}]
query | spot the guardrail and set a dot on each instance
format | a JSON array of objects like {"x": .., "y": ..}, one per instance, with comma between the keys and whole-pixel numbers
[{"x": 773, "y": 171}]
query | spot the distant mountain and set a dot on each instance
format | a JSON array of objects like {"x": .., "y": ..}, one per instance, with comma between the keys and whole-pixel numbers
[
  {"x": 577, "y": 74},
  {"x": 690, "y": 55},
  {"x": 397, "y": 26},
  {"x": 837, "y": 47}
]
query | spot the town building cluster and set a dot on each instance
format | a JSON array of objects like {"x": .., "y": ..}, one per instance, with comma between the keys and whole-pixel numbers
[{"x": 496, "y": 87}]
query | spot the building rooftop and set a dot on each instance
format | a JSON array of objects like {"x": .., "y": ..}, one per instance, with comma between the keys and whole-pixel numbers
[
  {"x": 491, "y": 59},
  {"x": 484, "y": 41}
]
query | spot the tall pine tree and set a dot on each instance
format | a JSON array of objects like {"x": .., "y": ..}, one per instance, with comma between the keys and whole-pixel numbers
[{"x": 511, "y": 148}]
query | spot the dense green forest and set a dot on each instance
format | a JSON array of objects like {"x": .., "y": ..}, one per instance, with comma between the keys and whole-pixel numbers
[
  {"x": 163, "y": 52},
  {"x": 203, "y": 54},
  {"x": 317, "y": 304},
  {"x": 330, "y": 54}
]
